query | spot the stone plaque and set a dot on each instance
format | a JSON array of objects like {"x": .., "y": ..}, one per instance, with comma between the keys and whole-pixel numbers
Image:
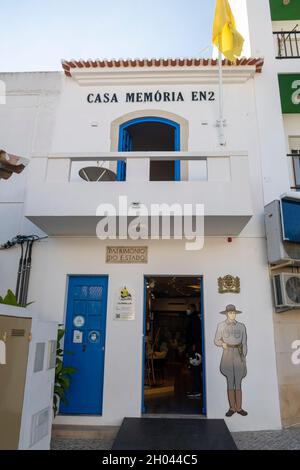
[{"x": 127, "y": 254}]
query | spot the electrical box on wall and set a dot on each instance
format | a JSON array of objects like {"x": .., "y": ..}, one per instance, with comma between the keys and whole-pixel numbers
[
  {"x": 282, "y": 220},
  {"x": 27, "y": 372}
]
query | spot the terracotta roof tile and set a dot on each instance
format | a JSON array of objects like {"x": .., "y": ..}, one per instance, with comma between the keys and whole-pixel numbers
[
  {"x": 10, "y": 164},
  {"x": 69, "y": 65}
]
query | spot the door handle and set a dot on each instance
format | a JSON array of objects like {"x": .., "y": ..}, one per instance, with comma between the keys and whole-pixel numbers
[{"x": 83, "y": 347}]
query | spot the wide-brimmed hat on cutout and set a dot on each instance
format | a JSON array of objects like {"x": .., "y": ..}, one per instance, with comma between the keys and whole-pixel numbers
[{"x": 230, "y": 308}]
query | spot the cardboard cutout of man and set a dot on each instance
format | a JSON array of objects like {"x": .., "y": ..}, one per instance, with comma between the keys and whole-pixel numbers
[{"x": 232, "y": 337}]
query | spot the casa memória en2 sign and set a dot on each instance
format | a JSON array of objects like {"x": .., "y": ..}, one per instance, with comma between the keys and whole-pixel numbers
[{"x": 156, "y": 96}]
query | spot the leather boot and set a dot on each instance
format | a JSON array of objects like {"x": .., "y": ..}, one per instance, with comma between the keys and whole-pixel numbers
[
  {"x": 232, "y": 405},
  {"x": 238, "y": 399}
]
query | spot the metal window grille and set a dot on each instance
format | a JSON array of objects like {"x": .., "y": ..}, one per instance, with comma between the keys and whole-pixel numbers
[{"x": 288, "y": 44}]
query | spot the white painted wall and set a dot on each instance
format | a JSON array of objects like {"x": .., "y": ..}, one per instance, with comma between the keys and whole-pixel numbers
[
  {"x": 287, "y": 25},
  {"x": 74, "y": 133},
  {"x": 239, "y": 9},
  {"x": 267, "y": 98},
  {"x": 56, "y": 258},
  {"x": 46, "y": 121},
  {"x": 123, "y": 357},
  {"x": 292, "y": 127},
  {"x": 27, "y": 119},
  {"x": 62, "y": 123}
]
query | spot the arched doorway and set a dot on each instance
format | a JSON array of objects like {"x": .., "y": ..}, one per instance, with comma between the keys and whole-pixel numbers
[{"x": 151, "y": 133}]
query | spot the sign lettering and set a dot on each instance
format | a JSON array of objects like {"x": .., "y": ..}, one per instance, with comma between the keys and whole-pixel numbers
[
  {"x": 296, "y": 94},
  {"x": 289, "y": 85},
  {"x": 157, "y": 96},
  {"x": 126, "y": 254}
]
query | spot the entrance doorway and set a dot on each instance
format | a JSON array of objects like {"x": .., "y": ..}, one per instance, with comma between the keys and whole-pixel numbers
[
  {"x": 174, "y": 362},
  {"x": 151, "y": 134}
]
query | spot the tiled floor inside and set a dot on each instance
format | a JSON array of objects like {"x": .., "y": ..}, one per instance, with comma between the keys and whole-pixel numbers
[{"x": 288, "y": 439}]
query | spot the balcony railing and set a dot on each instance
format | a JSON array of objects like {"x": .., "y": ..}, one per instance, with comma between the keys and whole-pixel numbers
[
  {"x": 296, "y": 169},
  {"x": 60, "y": 202},
  {"x": 288, "y": 44}
]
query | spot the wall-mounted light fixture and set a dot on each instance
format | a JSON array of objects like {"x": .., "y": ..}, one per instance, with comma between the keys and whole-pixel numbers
[{"x": 286, "y": 2}]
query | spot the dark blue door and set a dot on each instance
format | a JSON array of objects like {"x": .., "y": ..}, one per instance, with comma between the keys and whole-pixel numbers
[{"x": 85, "y": 343}]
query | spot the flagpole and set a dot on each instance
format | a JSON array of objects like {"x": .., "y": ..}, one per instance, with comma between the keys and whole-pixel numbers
[{"x": 222, "y": 140}]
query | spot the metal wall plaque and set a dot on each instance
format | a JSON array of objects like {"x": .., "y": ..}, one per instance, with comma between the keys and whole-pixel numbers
[
  {"x": 229, "y": 284},
  {"x": 127, "y": 254}
]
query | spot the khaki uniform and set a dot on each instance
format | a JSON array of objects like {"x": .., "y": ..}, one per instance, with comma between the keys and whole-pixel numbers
[{"x": 233, "y": 362}]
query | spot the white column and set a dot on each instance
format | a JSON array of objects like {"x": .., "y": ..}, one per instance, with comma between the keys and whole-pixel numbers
[{"x": 268, "y": 106}]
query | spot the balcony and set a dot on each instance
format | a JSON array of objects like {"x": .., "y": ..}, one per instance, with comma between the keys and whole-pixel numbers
[
  {"x": 62, "y": 205},
  {"x": 287, "y": 44}
]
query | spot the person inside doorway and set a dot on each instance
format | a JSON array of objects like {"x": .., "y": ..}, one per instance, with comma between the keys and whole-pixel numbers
[
  {"x": 173, "y": 350},
  {"x": 193, "y": 341},
  {"x": 195, "y": 361}
]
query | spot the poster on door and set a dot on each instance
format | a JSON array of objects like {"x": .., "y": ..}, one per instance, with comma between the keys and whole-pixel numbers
[
  {"x": 77, "y": 337},
  {"x": 124, "y": 308}
]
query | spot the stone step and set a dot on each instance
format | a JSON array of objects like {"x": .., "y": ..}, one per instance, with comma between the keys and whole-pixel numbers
[{"x": 84, "y": 432}]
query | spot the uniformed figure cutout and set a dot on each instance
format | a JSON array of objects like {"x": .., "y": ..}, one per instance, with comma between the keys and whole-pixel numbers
[{"x": 232, "y": 337}]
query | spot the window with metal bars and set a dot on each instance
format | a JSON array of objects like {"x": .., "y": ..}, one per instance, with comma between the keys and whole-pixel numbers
[
  {"x": 295, "y": 154},
  {"x": 288, "y": 44}
]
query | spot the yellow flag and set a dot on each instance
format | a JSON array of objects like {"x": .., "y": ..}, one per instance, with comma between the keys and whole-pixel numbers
[{"x": 225, "y": 35}]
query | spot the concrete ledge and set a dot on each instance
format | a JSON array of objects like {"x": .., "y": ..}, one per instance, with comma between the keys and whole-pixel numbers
[{"x": 84, "y": 432}]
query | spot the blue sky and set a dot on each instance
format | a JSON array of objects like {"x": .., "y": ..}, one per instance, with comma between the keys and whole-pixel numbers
[{"x": 37, "y": 34}]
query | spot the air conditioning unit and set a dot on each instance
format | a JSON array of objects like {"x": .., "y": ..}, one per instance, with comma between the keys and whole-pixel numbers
[
  {"x": 287, "y": 290},
  {"x": 282, "y": 221}
]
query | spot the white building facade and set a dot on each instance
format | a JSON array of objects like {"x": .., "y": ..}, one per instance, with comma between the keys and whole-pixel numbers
[{"x": 135, "y": 115}]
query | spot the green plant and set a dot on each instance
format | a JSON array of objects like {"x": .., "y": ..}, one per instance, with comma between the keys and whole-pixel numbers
[
  {"x": 62, "y": 374},
  {"x": 11, "y": 299}
]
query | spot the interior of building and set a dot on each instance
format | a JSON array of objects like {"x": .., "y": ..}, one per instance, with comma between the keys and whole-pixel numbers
[{"x": 173, "y": 374}]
